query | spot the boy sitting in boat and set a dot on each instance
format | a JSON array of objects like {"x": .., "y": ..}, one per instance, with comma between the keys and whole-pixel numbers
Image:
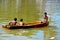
[
  {"x": 45, "y": 18},
  {"x": 21, "y": 23},
  {"x": 13, "y": 22}
]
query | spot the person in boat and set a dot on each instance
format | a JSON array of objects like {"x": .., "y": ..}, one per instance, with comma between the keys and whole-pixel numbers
[
  {"x": 21, "y": 23},
  {"x": 13, "y": 22},
  {"x": 45, "y": 18}
]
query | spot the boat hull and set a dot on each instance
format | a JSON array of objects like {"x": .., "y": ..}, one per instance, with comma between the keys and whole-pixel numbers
[{"x": 26, "y": 26}]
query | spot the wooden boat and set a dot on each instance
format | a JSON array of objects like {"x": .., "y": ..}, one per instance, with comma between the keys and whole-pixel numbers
[{"x": 29, "y": 25}]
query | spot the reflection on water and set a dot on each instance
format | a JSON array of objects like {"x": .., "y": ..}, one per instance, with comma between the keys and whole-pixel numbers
[{"x": 44, "y": 33}]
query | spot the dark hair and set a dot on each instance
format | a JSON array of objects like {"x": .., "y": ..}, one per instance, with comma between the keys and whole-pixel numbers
[
  {"x": 45, "y": 13},
  {"x": 15, "y": 19},
  {"x": 21, "y": 19}
]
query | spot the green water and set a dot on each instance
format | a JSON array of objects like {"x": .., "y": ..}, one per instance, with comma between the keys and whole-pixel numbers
[
  {"x": 11, "y": 9},
  {"x": 30, "y": 11}
]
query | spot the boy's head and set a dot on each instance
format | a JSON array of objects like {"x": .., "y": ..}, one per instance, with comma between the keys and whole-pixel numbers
[
  {"x": 21, "y": 19},
  {"x": 45, "y": 13},
  {"x": 15, "y": 19}
]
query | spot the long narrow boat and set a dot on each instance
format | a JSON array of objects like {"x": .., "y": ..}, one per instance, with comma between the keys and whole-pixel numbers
[{"x": 29, "y": 25}]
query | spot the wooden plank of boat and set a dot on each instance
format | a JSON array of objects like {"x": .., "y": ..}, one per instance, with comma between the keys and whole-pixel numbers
[{"x": 29, "y": 25}]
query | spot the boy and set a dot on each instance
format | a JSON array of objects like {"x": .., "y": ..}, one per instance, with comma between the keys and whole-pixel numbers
[
  {"x": 13, "y": 22},
  {"x": 21, "y": 23}
]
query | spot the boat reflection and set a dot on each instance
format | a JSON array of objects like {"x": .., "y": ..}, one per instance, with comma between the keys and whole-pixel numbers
[{"x": 48, "y": 32}]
